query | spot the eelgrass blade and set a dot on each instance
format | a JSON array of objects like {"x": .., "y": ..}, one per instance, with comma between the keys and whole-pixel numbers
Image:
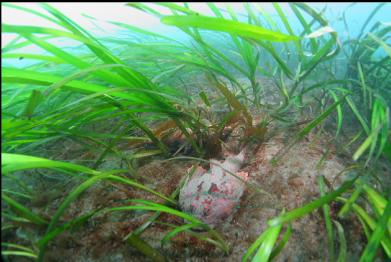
[
  {"x": 251, "y": 250},
  {"x": 268, "y": 243},
  {"x": 308, "y": 208},
  {"x": 176, "y": 231},
  {"x": 358, "y": 115},
  {"x": 284, "y": 20},
  {"x": 378, "y": 202},
  {"x": 142, "y": 31},
  {"x": 319, "y": 119},
  {"x": 174, "y": 7},
  {"x": 140, "y": 186},
  {"x": 307, "y": 129},
  {"x": 229, "y": 26},
  {"x": 80, "y": 74},
  {"x": 25, "y": 31},
  {"x": 31, "y": 11},
  {"x": 204, "y": 98},
  {"x": 152, "y": 218},
  {"x": 148, "y": 205},
  {"x": 34, "y": 100},
  {"x": 387, "y": 150},
  {"x": 325, "y": 52},
  {"x": 27, "y": 43},
  {"x": 128, "y": 75},
  {"x": 16, "y": 162},
  {"x": 280, "y": 60},
  {"x": 142, "y": 246},
  {"x": 5, "y": 244},
  {"x": 327, "y": 218},
  {"x": 22, "y": 210},
  {"x": 132, "y": 77},
  {"x": 369, "y": 224},
  {"x": 51, "y": 59},
  {"x": 369, "y": 18},
  {"x": 348, "y": 205},
  {"x": 383, "y": 44},
  {"x": 284, "y": 240},
  {"x": 379, "y": 120},
  {"x": 17, "y": 219},
  {"x": 9, "y": 46},
  {"x": 342, "y": 255},
  {"x": 339, "y": 112},
  {"x": 16, "y": 193},
  {"x": 60, "y": 229},
  {"x": 11, "y": 75},
  {"x": 60, "y": 210},
  {"x": 72, "y": 196},
  {"x": 144, "y": 8},
  {"x": 307, "y": 30},
  {"x": 370, "y": 140},
  {"x": 377, "y": 235},
  {"x": 363, "y": 85},
  {"x": 18, "y": 253},
  {"x": 151, "y": 206}
]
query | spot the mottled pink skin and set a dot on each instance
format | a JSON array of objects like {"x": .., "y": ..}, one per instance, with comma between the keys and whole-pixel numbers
[{"x": 212, "y": 196}]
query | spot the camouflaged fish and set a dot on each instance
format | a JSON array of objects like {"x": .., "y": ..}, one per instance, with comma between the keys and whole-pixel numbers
[{"x": 212, "y": 195}]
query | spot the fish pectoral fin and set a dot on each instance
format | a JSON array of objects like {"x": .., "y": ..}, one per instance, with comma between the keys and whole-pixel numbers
[{"x": 243, "y": 175}]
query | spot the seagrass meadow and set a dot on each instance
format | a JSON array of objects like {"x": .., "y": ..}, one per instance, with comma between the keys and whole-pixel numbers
[{"x": 106, "y": 131}]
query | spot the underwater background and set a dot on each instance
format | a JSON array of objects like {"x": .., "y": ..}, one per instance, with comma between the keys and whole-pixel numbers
[{"x": 196, "y": 132}]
